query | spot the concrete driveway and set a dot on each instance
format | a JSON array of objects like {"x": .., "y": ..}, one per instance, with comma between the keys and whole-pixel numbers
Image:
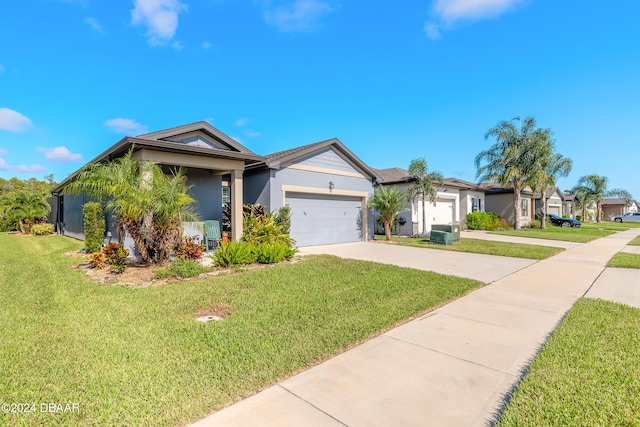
[{"x": 486, "y": 268}]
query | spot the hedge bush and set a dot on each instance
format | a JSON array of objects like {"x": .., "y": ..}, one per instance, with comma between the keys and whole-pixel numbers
[
  {"x": 234, "y": 253},
  {"x": 181, "y": 267},
  {"x": 271, "y": 253},
  {"x": 94, "y": 226},
  {"x": 42, "y": 229}
]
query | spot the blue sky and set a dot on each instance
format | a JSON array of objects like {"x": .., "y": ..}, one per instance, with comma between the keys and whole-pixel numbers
[{"x": 393, "y": 80}]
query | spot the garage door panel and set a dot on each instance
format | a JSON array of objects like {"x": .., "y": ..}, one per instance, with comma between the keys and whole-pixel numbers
[{"x": 321, "y": 219}]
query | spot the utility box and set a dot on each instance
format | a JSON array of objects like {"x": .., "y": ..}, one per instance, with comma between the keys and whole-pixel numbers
[
  {"x": 440, "y": 237},
  {"x": 454, "y": 229}
]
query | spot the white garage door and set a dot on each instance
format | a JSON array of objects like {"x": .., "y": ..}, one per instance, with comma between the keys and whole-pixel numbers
[
  {"x": 554, "y": 210},
  {"x": 321, "y": 219},
  {"x": 442, "y": 212}
]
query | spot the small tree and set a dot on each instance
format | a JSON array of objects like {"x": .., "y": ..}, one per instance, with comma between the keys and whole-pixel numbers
[
  {"x": 27, "y": 208},
  {"x": 389, "y": 202},
  {"x": 423, "y": 185},
  {"x": 593, "y": 188},
  {"x": 94, "y": 226}
]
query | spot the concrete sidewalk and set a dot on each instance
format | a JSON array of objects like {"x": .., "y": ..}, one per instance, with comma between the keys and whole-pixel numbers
[
  {"x": 453, "y": 366},
  {"x": 486, "y": 235}
]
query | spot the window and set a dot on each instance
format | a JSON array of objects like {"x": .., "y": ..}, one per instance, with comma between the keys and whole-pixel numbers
[
  {"x": 226, "y": 195},
  {"x": 525, "y": 207},
  {"x": 476, "y": 204}
]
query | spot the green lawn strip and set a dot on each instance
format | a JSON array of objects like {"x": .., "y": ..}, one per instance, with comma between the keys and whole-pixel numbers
[
  {"x": 587, "y": 374},
  {"x": 138, "y": 357},
  {"x": 635, "y": 242},
  {"x": 479, "y": 246},
  {"x": 578, "y": 235},
  {"x": 624, "y": 260},
  {"x": 610, "y": 226}
]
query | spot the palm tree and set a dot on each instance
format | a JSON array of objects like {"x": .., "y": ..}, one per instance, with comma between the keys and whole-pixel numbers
[
  {"x": 551, "y": 166},
  {"x": 511, "y": 160},
  {"x": 423, "y": 184},
  {"x": 26, "y": 207},
  {"x": 146, "y": 203},
  {"x": 389, "y": 201},
  {"x": 593, "y": 188}
]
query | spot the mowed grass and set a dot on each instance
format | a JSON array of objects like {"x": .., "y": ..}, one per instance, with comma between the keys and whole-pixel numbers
[
  {"x": 479, "y": 246},
  {"x": 624, "y": 260},
  {"x": 635, "y": 241},
  {"x": 578, "y": 235},
  {"x": 588, "y": 373},
  {"x": 137, "y": 356}
]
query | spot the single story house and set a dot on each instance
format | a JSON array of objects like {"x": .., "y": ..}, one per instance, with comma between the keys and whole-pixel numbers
[
  {"x": 617, "y": 206},
  {"x": 553, "y": 202},
  {"x": 570, "y": 205},
  {"x": 499, "y": 200},
  {"x": 454, "y": 200},
  {"x": 325, "y": 184}
]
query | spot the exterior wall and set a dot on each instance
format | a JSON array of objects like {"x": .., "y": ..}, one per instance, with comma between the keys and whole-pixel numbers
[
  {"x": 569, "y": 208},
  {"x": 206, "y": 189},
  {"x": 466, "y": 205},
  {"x": 318, "y": 180},
  {"x": 433, "y": 210},
  {"x": 608, "y": 212},
  {"x": 502, "y": 204},
  {"x": 327, "y": 160},
  {"x": 257, "y": 186},
  {"x": 72, "y": 215}
]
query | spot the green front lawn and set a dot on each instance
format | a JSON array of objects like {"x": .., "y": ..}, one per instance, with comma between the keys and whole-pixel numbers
[
  {"x": 578, "y": 235},
  {"x": 479, "y": 246},
  {"x": 588, "y": 373},
  {"x": 635, "y": 241},
  {"x": 624, "y": 260},
  {"x": 138, "y": 357}
]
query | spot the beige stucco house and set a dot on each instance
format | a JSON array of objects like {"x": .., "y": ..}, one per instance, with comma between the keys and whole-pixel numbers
[{"x": 499, "y": 200}]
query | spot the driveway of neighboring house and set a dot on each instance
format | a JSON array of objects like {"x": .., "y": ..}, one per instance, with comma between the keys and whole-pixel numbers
[{"x": 486, "y": 268}]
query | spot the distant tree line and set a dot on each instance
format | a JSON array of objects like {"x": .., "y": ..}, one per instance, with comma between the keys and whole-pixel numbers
[{"x": 24, "y": 202}]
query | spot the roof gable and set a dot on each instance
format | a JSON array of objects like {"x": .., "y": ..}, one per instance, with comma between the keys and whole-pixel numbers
[
  {"x": 291, "y": 156},
  {"x": 199, "y": 134}
]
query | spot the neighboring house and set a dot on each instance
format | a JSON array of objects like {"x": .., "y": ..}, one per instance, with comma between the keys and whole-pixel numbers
[
  {"x": 325, "y": 184},
  {"x": 500, "y": 201},
  {"x": 570, "y": 205},
  {"x": 454, "y": 200},
  {"x": 617, "y": 206},
  {"x": 553, "y": 202}
]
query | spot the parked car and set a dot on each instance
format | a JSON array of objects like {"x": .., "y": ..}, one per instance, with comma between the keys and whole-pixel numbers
[
  {"x": 563, "y": 222},
  {"x": 630, "y": 217}
]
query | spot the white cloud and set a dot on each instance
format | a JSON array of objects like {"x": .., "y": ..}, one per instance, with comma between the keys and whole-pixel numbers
[
  {"x": 447, "y": 12},
  {"x": 242, "y": 121},
  {"x": 301, "y": 15},
  {"x": 13, "y": 121},
  {"x": 252, "y": 134},
  {"x": 126, "y": 126},
  {"x": 59, "y": 154},
  {"x": 207, "y": 45},
  {"x": 1, "y": 68},
  {"x": 4, "y": 166},
  {"x": 159, "y": 16},
  {"x": 432, "y": 31},
  {"x": 177, "y": 45},
  {"x": 3, "y": 152},
  {"x": 454, "y": 10},
  {"x": 93, "y": 23}
]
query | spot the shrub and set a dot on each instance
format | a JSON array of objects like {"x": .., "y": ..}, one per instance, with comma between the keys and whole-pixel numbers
[
  {"x": 42, "y": 229},
  {"x": 235, "y": 253},
  {"x": 264, "y": 228},
  {"x": 190, "y": 248},
  {"x": 116, "y": 256},
  {"x": 482, "y": 221},
  {"x": 94, "y": 226},
  {"x": 283, "y": 219},
  {"x": 579, "y": 217},
  {"x": 500, "y": 224},
  {"x": 97, "y": 260},
  {"x": 270, "y": 253},
  {"x": 181, "y": 267},
  {"x": 535, "y": 223}
]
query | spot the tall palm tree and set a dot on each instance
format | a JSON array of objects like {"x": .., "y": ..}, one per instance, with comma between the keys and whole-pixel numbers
[
  {"x": 551, "y": 166},
  {"x": 511, "y": 160},
  {"x": 146, "y": 203},
  {"x": 389, "y": 202},
  {"x": 26, "y": 207},
  {"x": 593, "y": 188},
  {"x": 422, "y": 184}
]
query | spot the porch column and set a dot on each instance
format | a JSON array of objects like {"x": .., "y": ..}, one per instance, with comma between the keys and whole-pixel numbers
[{"x": 236, "y": 204}]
